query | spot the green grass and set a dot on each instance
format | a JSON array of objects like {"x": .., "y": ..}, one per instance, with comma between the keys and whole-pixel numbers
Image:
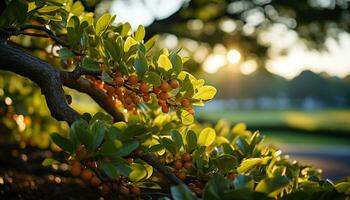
[{"x": 336, "y": 120}]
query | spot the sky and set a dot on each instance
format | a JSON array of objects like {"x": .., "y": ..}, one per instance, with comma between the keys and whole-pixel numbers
[{"x": 335, "y": 61}]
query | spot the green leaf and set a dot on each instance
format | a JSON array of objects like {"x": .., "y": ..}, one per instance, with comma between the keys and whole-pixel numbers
[
  {"x": 205, "y": 93},
  {"x": 138, "y": 172},
  {"x": 106, "y": 77},
  {"x": 343, "y": 187},
  {"x": 109, "y": 169},
  {"x": 242, "y": 181},
  {"x": 191, "y": 139},
  {"x": 272, "y": 185},
  {"x": 169, "y": 145},
  {"x": 127, "y": 148},
  {"x": 177, "y": 138},
  {"x": 49, "y": 162},
  {"x": 129, "y": 43},
  {"x": 215, "y": 187},
  {"x": 181, "y": 192},
  {"x": 62, "y": 142},
  {"x": 148, "y": 185},
  {"x": 112, "y": 49},
  {"x": 14, "y": 13},
  {"x": 206, "y": 137},
  {"x": 140, "y": 33},
  {"x": 153, "y": 78},
  {"x": 134, "y": 130},
  {"x": 77, "y": 8},
  {"x": 177, "y": 63},
  {"x": 248, "y": 164},
  {"x": 83, "y": 134},
  {"x": 242, "y": 145},
  {"x": 140, "y": 64},
  {"x": 164, "y": 62},
  {"x": 98, "y": 130},
  {"x": 47, "y": 9},
  {"x": 90, "y": 64},
  {"x": 186, "y": 117},
  {"x": 225, "y": 162},
  {"x": 150, "y": 43},
  {"x": 123, "y": 169},
  {"x": 102, "y": 24},
  {"x": 126, "y": 29},
  {"x": 109, "y": 148},
  {"x": 65, "y": 53}
]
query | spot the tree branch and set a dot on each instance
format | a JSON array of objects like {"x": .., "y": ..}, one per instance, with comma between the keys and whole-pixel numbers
[
  {"x": 154, "y": 162},
  {"x": 43, "y": 74},
  {"x": 100, "y": 97}
]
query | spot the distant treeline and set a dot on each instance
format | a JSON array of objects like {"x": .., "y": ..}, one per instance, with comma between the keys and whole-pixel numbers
[{"x": 327, "y": 90}]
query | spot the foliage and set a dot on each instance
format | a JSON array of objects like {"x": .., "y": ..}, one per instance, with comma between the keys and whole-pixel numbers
[{"x": 157, "y": 96}]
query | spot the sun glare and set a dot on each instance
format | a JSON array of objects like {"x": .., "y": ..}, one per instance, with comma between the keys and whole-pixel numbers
[{"x": 233, "y": 56}]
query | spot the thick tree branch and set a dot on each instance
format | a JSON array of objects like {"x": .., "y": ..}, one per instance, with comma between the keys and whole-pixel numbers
[
  {"x": 100, "y": 97},
  {"x": 43, "y": 74}
]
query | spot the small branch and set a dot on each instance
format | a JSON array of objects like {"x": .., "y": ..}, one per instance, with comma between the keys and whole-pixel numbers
[
  {"x": 79, "y": 71},
  {"x": 154, "y": 162}
]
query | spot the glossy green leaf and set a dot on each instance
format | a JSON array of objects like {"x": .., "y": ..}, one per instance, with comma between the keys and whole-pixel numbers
[
  {"x": 109, "y": 169},
  {"x": 98, "y": 131},
  {"x": 138, "y": 172},
  {"x": 62, "y": 142},
  {"x": 242, "y": 181},
  {"x": 272, "y": 185},
  {"x": 65, "y": 53},
  {"x": 177, "y": 138},
  {"x": 90, "y": 64},
  {"x": 177, "y": 63},
  {"x": 127, "y": 148},
  {"x": 49, "y": 162},
  {"x": 140, "y": 64},
  {"x": 14, "y": 13},
  {"x": 181, "y": 192},
  {"x": 153, "y": 78},
  {"x": 248, "y": 164},
  {"x": 215, "y": 187},
  {"x": 191, "y": 139},
  {"x": 150, "y": 43},
  {"x": 106, "y": 77},
  {"x": 186, "y": 117}
]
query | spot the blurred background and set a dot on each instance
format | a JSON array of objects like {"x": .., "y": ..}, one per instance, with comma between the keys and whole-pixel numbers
[{"x": 280, "y": 66}]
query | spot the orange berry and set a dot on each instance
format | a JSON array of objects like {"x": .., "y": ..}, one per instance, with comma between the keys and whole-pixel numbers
[
  {"x": 119, "y": 81},
  {"x": 86, "y": 175},
  {"x": 178, "y": 164},
  {"x": 146, "y": 98},
  {"x": 174, "y": 83},
  {"x": 165, "y": 109},
  {"x": 188, "y": 165},
  {"x": 95, "y": 181},
  {"x": 135, "y": 190},
  {"x": 109, "y": 89},
  {"x": 105, "y": 189},
  {"x": 163, "y": 96},
  {"x": 117, "y": 104},
  {"x": 69, "y": 61},
  {"x": 136, "y": 99},
  {"x": 124, "y": 190},
  {"x": 128, "y": 100},
  {"x": 143, "y": 87},
  {"x": 185, "y": 103},
  {"x": 165, "y": 87},
  {"x": 187, "y": 157},
  {"x": 161, "y": 102},
  {"x": 77, "y": 59},
  {"x": 133, "y": 79},
  {"x": 231, "y": 176},
  {"x": 181, "y": 175},
  {"x": 76, "y": 170},
  {"x": 129, "y": 107},
  {"x": 190, "y": 110},
  {"x": 156, "y": 90}
]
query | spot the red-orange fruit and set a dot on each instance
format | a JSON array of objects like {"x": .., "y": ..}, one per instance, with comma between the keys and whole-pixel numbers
[
  {"x": 105, "y": 189},
  {"x": 136, "y": 99},
  {"x": 133, "y": 79},
  {"x": 95, "y": 181},
  {"x": 178, "y": 164},
  {"x": 135, "y": 190},
  {"x": 128, "y": 100},
  {"x": 163, "y": 96},
  {"x": 76, "y": 169},
  {"x": 156, "y": 90},
  {"x": 86, "y": 175},
  {"x": 143, "y": 87},
  {"x": 187, "y": 157},
  {"x": 188, "y": 165},
  {"x": 124, "y": 190},
  {"x": 165, "y": 87},
  {"x": 185, "y": 103},
  {"x": 174, "y": 83},
  {"x": 146, "y": 98},
  {"x": 181, "y": 175},
  {"x": 231, "y": 176},
  {"x": 109, "y": 89},
  {"x": 190, "y": 110},
  {"x": 77, "y": 59},
  {"x": 165, "y": 109},
  {"x": 119, "y": 81}
]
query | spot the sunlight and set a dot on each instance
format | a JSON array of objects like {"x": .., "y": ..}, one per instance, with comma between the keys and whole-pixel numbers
[
  {"x": 214, "y": 62},
  {"x": 233, "y": 56}
]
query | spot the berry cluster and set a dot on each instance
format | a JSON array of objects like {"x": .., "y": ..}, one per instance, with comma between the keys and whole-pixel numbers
[
  {"x": 129, "y": 91},
  {"x": 182, "y": 165}
]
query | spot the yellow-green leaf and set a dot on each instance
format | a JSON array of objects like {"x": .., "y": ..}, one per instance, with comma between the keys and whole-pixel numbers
[
  {"x": 186, "y": 117},
  {"x": 164, "y": 62},
  {"x": 129, "y": 43},
  {"x": 206, "y": 92},
  {"x": 138, "y": 172},
  {"x": 102, "y": 24},
  {"x": 206, "y": 137},
  {"x": 140, "y": 33}
]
